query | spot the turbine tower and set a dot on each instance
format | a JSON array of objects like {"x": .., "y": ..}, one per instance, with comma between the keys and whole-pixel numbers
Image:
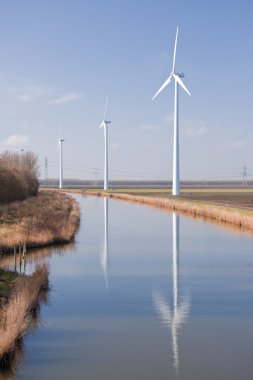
[
  {"x": 176, "y": 317},
  {"x": 177, "y": 78},
  {"x": 61, "y": 171},
  {"x": 104, "y": 125}
]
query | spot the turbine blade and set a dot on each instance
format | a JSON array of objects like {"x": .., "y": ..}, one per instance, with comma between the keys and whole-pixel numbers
[
  {"x": 59, "y": 131},
  {"x": 174, "y": 55},
  {"x": 101, "y": 125},
  {"x": 105, "y": 107},
  {"x": 179, "y": 81},
  {"x": 163, "y": 86}
]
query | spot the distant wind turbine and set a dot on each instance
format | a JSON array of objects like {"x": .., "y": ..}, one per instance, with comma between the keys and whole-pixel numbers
[
  {"x": 177, "y": 77},
  {"x": 61, "y": 171},
  {"x": 104, "y": 125}
]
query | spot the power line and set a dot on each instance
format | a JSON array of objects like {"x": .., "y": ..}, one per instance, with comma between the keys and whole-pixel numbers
[{"x": 205, "y": 175}]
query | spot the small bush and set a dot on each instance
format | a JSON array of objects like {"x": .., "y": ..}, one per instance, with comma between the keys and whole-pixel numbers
[{"x": 18, "y": 176}]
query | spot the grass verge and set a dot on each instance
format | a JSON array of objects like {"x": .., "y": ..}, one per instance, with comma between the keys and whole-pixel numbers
[
  {"x": 234, "y": 208},
  {"x": 49, "y": 218}
]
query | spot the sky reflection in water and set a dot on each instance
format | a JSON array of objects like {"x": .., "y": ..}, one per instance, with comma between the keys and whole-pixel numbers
[{"x": 145, "y": 294}]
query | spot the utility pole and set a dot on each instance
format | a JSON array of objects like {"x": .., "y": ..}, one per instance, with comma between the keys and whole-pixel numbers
[
  {"x": 46, "y": 172},
  {"x": 61, "y": 176},
  {"x": 21, "y": 150},
  {"x": 96, "y": 173},
  {"x": 244, "y": 177}
]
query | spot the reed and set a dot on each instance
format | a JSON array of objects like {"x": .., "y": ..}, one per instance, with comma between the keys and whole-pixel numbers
[
  {"x": 49, "y": 218},
  {"x": 17, "y": 314}
]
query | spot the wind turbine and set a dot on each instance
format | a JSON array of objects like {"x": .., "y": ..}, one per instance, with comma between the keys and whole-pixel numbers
[
  {"x": 177, "y": 78},
  {"x": 104, "y": 125},
  {"x": 175, "y": 318},
  {"x": 61, "y": 171}
]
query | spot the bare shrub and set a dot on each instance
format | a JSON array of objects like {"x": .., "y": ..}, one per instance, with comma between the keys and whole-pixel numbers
[{"x": 18, "y": 176}]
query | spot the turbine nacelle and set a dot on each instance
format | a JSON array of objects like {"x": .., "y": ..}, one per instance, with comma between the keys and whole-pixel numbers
[
  {"x": 176, "y": 76},
  {"x": 59, "y": 142},
  {"x": 180, "y": 75},
  {"x": 104, "y": 123}
]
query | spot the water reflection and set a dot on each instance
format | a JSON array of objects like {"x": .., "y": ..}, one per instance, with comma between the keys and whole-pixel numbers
[
  {"x": 173, "y": 318},
  {"x": 27, "y": 264},
  {"x": 104, "y": 255}
]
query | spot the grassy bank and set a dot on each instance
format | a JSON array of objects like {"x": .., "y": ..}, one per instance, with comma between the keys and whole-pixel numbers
[
  {"x": 19, "y": 313},
  {"x": 233, "y": 207},
  {"x": 49, "y": 218}
]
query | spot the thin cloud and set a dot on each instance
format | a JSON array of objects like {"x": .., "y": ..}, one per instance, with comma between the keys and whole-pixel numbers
[
  {"x": 149, "y": 127},
  {"x": 28, "y": 93},
  {"x": 115, "y": 145},
  {"x": 25, "y": 98},
  {"x": 189, "y": 127},
  {"x": 235, "y": 144},
  {"x": 15, "y": 141},
  {"x": 196, "y": 131},
  {"x": 164, "y": 54},
  {"x": 69, "y": 97},
  {"x": 169, "y": 119}
]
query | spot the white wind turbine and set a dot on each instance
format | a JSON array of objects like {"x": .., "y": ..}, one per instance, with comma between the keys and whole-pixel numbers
[
  {"x": 60, "y": 141},
  {"x": 104, "y": 125},
  {"x": 177, "y": 77}
]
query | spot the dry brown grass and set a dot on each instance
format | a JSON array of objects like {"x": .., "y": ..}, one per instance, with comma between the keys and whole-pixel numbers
[
  {"x": 219, "y": 214},
  {"x": 49, "y": 218},
  {"x": 17, "y": 314}
]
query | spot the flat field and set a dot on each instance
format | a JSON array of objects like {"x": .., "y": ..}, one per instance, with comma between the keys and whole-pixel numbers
[{"x": 235, "y": 198}]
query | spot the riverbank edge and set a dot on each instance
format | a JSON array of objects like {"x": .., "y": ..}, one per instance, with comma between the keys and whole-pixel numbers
[
  {"x": 239, "y": 218},
  {"x": 72, "y": 221},
  {"x": 17, "y": 313}
]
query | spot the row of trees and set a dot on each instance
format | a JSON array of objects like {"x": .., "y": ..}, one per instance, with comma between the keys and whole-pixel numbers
[{"x": 18, "y": 176}]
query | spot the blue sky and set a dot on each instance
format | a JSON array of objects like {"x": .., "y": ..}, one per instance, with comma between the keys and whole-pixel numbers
[{"x": 60, "y": 59}]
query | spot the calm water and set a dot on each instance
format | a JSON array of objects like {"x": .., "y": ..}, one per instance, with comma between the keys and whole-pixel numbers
[{"x": 145, "y": 294}]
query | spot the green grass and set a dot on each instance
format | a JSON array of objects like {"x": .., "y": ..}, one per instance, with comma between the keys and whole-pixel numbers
[{"x": 7, "y": 280}]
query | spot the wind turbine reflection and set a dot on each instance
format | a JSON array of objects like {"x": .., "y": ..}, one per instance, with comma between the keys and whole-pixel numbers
[
  {"x": 173, "y": 318},
  {"x": 104, "y": 255}
]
